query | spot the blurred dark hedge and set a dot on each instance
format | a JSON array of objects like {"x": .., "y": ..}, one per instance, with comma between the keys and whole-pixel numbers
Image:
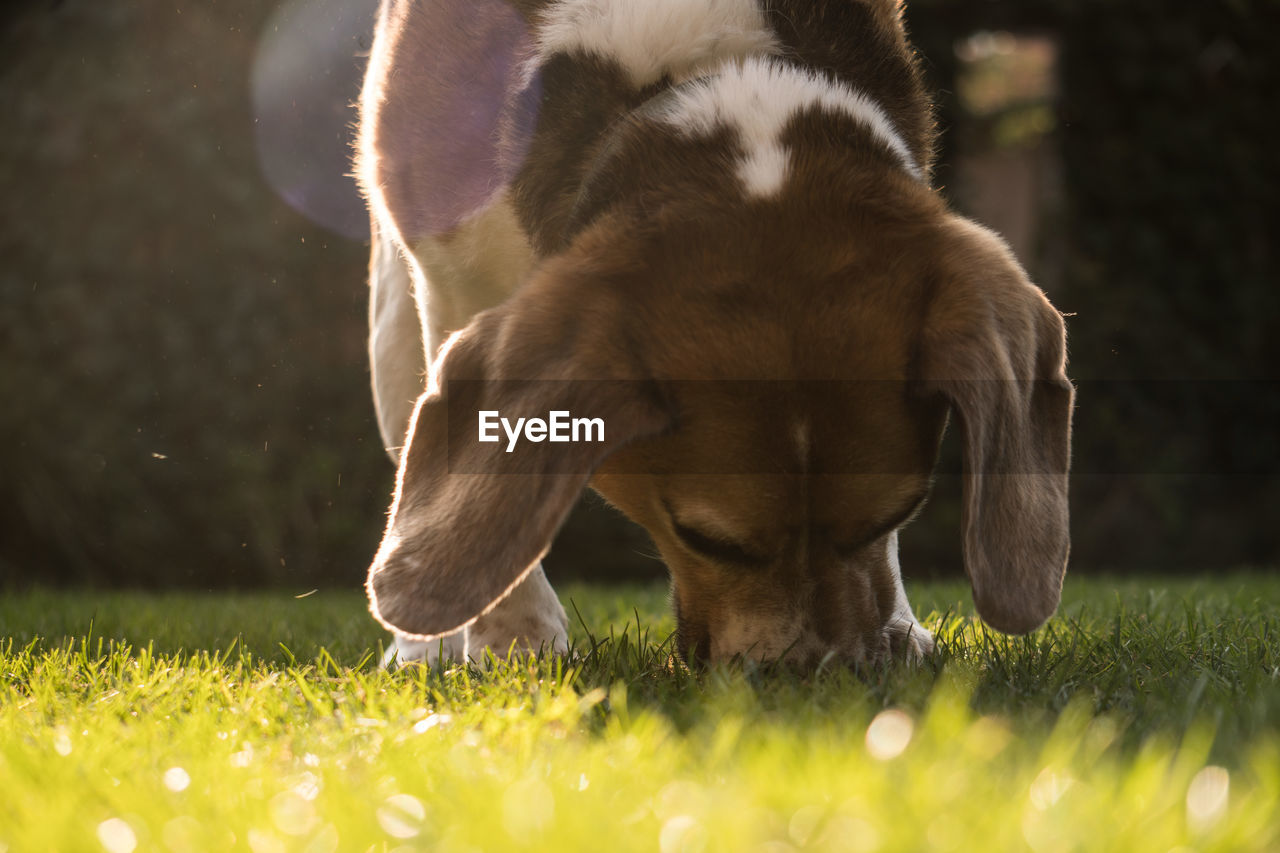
[
  {"x": 182, "y": 354},
  {"x": 1165, "y": 120}
]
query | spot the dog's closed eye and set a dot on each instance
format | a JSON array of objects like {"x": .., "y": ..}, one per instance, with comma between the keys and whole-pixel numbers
[
  {"x": 850, "y": 548},
  {"x": 716, "y": 546}
]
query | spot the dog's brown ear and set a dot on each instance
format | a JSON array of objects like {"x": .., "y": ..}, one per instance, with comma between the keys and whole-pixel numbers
[
  {"x": 471, "y": 518},
  {"x": 995, "y": 348}
]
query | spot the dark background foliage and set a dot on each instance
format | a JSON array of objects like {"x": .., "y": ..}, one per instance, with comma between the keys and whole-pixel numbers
[{"x": 182, "y": 362}]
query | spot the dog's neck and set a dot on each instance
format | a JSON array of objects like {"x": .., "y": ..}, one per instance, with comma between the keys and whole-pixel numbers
[
  {"x": 591, "y": 198},
  {"x": 683, "y": 135},
  {"x": 614, "y": 111}
]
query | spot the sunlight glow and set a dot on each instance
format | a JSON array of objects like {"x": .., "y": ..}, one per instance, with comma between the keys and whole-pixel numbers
[
  {"x": 62, "y": 741},
  {"x": 306, "y": 73},
  {"x": 1208, "y": 796},
  {"x": 1048, "y": 787},
  {"x": 682, "y": 833},
  {"x": 889, "y": 734},
  {"x": 804, "y": 823},
  {"x": 401, "y": 816},
  {"x": 324, "y": 841},
  {"x": 429, "y": 722},
  {"x": 117, "y": 836},
  {"x": 243, "y": 757},
  {"x": 184, "y": 833},
  {"x": 292, "y": 814},
  {"x": 264, "y": 842},
  {"x": 176, "y": 779},
  {"x": 308, "y": 786}
]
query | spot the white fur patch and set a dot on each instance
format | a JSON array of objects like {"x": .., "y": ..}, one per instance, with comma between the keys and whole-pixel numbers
[
  {"x": 396, "y": 357},
  {"x": 919, "y": 640},
  {"x": 475, "y": 266},
  {"x": 652, "y": 38},
  {"x": 756, "y": 98}
]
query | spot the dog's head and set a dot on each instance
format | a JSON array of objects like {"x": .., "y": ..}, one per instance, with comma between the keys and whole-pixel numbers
[{"x": 773, "y": 381}]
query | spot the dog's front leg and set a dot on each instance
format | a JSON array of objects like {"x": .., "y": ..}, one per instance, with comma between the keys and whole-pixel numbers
[
  {"x": 907, "y": 637},
  {"x": 404, "y": 650},
  {"x": 396, "y": 359},
  {"x": 530, "y": 619}
]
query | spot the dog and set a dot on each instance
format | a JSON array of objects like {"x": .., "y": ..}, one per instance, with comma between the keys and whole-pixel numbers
[{"x": 707, "y": 227}]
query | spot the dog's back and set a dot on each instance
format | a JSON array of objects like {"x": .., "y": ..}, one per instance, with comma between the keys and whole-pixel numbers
[{"x": 481, "y": 116}]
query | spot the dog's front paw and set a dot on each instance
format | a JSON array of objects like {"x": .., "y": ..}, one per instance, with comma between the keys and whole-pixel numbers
[
  {"x": 530, "y": 619},
  {"x": 544, "y": 631},
  {"x": 908, "y": 640},
  {"x": 405, "y": 651}
]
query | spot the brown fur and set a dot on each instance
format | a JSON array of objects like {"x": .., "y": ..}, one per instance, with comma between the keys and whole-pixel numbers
[{"x": 780, "y": 373}]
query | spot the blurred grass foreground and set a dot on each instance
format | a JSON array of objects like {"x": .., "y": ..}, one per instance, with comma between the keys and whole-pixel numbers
[{"x": 1139, "y": 720}]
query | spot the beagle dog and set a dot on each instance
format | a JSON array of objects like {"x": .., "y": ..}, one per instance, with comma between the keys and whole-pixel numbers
[{"x": 704, "y": 232}]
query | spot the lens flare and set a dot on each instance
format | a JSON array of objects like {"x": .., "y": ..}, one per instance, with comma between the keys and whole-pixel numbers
[{"x": 306, "y": 77}]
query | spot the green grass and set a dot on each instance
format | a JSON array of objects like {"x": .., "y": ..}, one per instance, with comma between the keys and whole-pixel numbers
[{"x": 1146, "y": 716}]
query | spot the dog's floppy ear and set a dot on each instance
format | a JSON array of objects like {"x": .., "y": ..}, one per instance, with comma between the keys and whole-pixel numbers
[
  {"x": 470, "y": 518},
  {"x": 995, "y": 348}
]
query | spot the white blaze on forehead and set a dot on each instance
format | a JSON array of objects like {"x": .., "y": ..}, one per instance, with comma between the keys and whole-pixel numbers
[
  {"x": 653, "y": 38},
  {"x": 756, "y": 98}
]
